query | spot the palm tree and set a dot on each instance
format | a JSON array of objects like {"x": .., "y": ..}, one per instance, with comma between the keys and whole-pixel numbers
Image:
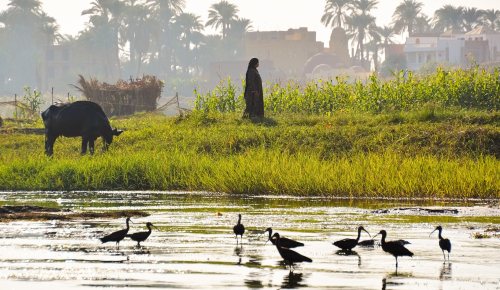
[
  {"x": 137, "y": 31},
  {"x": 335, "y": 12},
  {"x": 376, "y": 43},
  {"x": 385, "y": 33},
  {"x": 472, "y": 17},
  {"x": 405, "y": 16},
  {"x": 104, "y": 25},
  {"x": 449, "y": 17},
  {"x": 163, "y": 12},
  {"x": 27, "y": 34},
  {"x": 167, "y": 8},
  {"x": 29, "y": 6},
  {"x": 360, "y": 26},
  {"x": 50, "y": 30},
  {"x": 221, "y": 15},
  {"x": 186, "y": 24},
  {"x": 236, "y": 35},
  {"x": 364, "y": 6},
  {"x": 239, "y": 27},
  {"x": 423, "y": 24},
  {"x": 490, "y": 18}
]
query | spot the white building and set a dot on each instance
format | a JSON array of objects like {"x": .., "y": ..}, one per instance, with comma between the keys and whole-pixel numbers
[{"x": 480, "y": 45}]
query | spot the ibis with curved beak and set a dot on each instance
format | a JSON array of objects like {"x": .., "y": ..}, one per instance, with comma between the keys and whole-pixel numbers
[
  {"x": 395, "y": 248},
  {"x": 444, "y": 244},
  {"x": 118, "y": 235},
  {"x": 291, "y": 257},
  {"x": 141, "y": 236},
  {"x": 285, "y": 242},
  {"x": 349, "y": 244},
  {"x": 239, "y": 229}
]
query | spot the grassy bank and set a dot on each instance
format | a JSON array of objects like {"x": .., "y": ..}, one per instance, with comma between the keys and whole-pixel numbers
[{"x": 426, "y": 153}]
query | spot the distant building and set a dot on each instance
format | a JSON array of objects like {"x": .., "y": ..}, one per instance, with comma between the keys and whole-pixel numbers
[
  {"x": 236, "y": 70},
  {"x": 64, "y": 62},
  {"x": 480, "y": 45},
  {"x": 288, "y": 50},
  {"x": 483, "y": 43}
]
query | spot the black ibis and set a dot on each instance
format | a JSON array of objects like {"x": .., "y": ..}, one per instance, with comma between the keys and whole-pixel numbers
[
  {"x": 285, "y": 242},
  {"x": 141, "y": 236},
  {"x": 395, "y": 248},
  {"x": 349, "y": 244},
  {"x": 291, "y": 257},
  {"x": 444, "y": 244},
  {"x": 239, "y": 229},
  {"x": 116, "y": 236}
]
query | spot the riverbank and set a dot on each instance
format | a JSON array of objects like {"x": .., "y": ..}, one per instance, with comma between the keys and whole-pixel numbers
[{"x": 425, "y": 154}]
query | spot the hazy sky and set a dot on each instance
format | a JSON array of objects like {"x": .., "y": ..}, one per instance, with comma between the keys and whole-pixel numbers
[{"x": 265, "y": 14}]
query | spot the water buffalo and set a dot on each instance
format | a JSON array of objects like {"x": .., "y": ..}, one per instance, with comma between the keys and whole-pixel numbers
[{"x": 82, "y": 118}]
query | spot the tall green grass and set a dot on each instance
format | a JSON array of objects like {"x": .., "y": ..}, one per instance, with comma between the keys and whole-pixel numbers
[
  {"x": 473, "y": 88},
  {"x": 263, "y": 172},
  {"x": 429, "y": 154}
]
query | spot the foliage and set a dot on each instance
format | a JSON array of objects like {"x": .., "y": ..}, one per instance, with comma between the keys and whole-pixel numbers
[
  {"x": 472, "y": 88},
  {"x": 224, "y": 98},
  {"x": 30, "y": 106}
]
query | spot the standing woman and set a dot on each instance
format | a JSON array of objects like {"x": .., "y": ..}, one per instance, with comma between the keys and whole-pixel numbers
[{"x": 254, "y": 95}]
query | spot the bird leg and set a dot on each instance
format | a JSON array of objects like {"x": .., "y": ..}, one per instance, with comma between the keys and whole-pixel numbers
[{"x": 444, "y": 256}]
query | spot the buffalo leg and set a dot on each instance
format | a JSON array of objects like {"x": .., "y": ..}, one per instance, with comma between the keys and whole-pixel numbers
[
  {"x": 49, "y": 144},
  {"x": 85, "y": 141},
  {"x": 106, "y": 145},
  {"x": 91, "y": 145}
]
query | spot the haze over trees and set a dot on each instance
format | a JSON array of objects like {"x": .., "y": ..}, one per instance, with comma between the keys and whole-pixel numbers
[{"x": 134, "y": 37}]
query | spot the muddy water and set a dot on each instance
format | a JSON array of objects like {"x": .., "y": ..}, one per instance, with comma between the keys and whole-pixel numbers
[{"x": 193, "y": 246}]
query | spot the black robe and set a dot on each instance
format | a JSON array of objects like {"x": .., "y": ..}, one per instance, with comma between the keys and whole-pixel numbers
[{"x": 254, "y": 95}]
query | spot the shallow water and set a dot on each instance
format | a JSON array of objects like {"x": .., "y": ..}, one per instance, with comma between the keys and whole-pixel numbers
[{"x": 194, "y": 247}]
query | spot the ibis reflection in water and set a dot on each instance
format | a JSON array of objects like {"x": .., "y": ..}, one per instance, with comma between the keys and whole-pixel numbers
[
  {"x": 141, "y": 236},
  {"x": 285, "y": 242},
  {"x": 117, "y": 236},
  {"x": 395, "y": 248},
  {"x": 291, "y": 257},
  {"x": 349, "y": 244},
  {"x": 239, "y": 229},
  {"x": 444, "y": 244}
]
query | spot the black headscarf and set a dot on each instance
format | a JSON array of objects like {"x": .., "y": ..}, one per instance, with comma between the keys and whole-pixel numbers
[{"x": 253, "y": 63}]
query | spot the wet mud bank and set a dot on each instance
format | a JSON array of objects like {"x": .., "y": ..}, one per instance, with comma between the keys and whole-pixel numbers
[{"x": 39, "y": 213}]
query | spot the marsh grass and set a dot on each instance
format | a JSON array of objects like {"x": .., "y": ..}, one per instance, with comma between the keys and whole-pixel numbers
[{"x": 453, "y": 154}]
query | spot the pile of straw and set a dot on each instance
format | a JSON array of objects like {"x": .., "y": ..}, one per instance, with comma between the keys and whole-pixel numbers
[{"x": 124, "y": 97}]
